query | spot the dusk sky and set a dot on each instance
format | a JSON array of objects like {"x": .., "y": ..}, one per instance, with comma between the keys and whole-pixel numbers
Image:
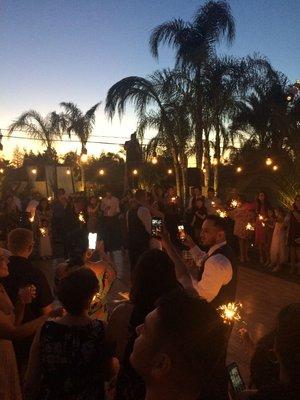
[{"x": 67, "y": 50}]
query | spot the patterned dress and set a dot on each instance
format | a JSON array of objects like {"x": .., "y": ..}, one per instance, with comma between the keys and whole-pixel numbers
[
  {"x": 71, "y": 360},
  {"x": 9, "y": 377}
]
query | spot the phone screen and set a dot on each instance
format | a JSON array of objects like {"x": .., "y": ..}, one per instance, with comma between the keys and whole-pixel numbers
[
  {"x": 235, "y": 378},
  {"x": 92, "y": 240},
  {"x": 156, "y": 227},
  {"x": 181, "y": 232}
]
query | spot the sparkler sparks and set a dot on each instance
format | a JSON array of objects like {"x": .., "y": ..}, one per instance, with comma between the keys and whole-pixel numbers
[
  {"x": 230, "y": 312},
  {"x": 222, "y": 214},
  {"x": 43, "y": 232},
  {"x": 81, "y": 217},
  {"x": 249, "y": 227},
  {"x": 234, "y": 203},
  {"x": 31, "y": 219}
]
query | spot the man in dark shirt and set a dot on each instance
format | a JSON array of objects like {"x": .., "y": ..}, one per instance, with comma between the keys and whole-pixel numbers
[{"x": 21, "y": 274}]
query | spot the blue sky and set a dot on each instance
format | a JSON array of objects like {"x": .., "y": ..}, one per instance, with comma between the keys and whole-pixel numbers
[{"x": 74, "y": 50}]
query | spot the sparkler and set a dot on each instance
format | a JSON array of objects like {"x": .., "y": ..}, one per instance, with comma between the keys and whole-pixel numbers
[
  {"x": 81, "y": 217},
  {"x": 230, "y": 312},
  {"x": 43, "y": 232},
  {"x": 260, "y": 217},
  {"x": 173, "y": 199},
  {"x": 31, "y": 219},
  {"x": 249, "y": 227},
  {"x": 234, "y": 203},
  {"x": 222, "y": 214}
]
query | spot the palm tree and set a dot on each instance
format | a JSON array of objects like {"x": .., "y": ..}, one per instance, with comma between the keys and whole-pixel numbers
[
  {"x": 35, "y": 126},
  {"x": 152, "y": 99},
  {"x": 195, "y": 44},
  {"x": 75, "y": 121}
]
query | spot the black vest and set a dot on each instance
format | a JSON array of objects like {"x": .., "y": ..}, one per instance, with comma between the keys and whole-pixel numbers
[
  {"x": 227, "y": 292},
  {"x": 138, "y": 237}
]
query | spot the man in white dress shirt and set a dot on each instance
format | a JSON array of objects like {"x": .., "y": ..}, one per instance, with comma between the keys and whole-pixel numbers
[{"x": 215, "y": 278}]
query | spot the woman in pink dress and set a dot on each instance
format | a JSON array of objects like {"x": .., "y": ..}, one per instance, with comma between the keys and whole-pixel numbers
[{"x": 262, "y": 207}]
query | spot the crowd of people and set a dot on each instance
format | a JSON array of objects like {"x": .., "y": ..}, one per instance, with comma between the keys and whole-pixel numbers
[{"x": 167, "y": 340}]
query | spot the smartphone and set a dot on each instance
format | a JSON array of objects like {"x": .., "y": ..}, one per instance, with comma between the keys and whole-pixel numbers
[
  {"x": 235, "y": 378},
  {"x": 181, "y": 233},
  {"x": 92, "y": 240},
  {"x": 156, "y": 227}
]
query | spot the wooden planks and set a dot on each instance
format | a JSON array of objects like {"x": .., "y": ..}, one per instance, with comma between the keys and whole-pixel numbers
[{"x": 262, "y": 296}]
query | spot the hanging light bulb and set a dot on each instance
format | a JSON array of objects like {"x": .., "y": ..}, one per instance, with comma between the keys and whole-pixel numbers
[
  {"x": 269, "y": 161},
  {"x": 275, "y": 167},
  {"x": 154, "y": 159}
]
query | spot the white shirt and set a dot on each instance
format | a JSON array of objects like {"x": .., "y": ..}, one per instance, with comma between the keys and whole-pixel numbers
[
  {"x": 146, "y": 218},
  {"x": 217, "y": 272},
  {"x": 110, "y": 206}
]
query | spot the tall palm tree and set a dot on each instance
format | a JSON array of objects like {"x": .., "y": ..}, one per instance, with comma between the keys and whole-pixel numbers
[
  {"x": 81, "y": 124},
  {"x": 152, "y": 98},
  {"x": 35, "y": 126},
  {"x": 195, "y": 43}
]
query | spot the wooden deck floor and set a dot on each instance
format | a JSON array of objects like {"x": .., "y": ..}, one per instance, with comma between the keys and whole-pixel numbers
[{"x": 262, "y": 297}]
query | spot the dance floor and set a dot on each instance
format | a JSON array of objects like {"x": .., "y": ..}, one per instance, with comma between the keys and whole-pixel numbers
[{"x": 262, "y": 296}]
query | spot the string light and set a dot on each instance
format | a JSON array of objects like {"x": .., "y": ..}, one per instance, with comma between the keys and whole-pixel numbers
[
  {"x": 275, "y": 167},
  {"x": 135, "y": 172},
  {"x": 101, "y": 172},
  {"x": 154, "y": 159},
  {"x": 1, "y": 171},
  {"x": 230, "y": 312},
  {"x": 68, "y": 171},
  {"x": 239, "y": 169},
  {"x": 34, "y": 171},
  {"x": 215, "y": 161},
  {"x": 170, "y": 172},
  {"x": 49, "y": 198},
  {"x": 269, "y": 161}
]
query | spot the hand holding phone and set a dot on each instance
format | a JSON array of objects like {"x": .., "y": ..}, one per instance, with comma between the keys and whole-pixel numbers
[
  {"x": 235, "y": 378},
  {"x": 181, "y": 233},
  {"x": 156, "y": 227},
  {"x": 92, "y": 240}
]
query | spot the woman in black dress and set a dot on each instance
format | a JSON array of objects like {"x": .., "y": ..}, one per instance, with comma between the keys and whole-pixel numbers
[{"x": 69, "y": 358}]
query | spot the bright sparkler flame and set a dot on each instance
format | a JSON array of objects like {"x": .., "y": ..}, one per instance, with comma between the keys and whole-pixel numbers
[
  {"x": 230, "y": 312},
  {"x": 222, "y": 214},
  {"x": 260, "y": 217},
  {"x": 31, "y": 219},
  {"x": 43, "y": 232},
  {"x": 81, "y": 217},
  {"x": 234, "y": 203},
  {"x": 249, "y": 227}
]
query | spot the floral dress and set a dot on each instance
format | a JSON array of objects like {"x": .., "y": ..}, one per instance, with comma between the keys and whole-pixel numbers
[{"x": 71, "y": 360}]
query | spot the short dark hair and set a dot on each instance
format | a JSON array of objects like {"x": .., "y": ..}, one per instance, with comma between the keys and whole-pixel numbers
[
  {"x": 192, "y": 333},
  {"x": 287, "y": 339},
  {"x": 76, "y": 290},
  {"x": 218, "y": 222},
  {"x": 19, "y": 239}
]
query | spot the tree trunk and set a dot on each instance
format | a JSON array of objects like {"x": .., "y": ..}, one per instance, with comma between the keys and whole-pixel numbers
[
  {"x": 206, "y": 159},
  {"x": 183, "y": 168},
  {"x": 217, "y": 157},
  {"x": 177, "y": 171},
  {"x": 199, "y": 124},
  {"x": 82, "y": 171}
]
